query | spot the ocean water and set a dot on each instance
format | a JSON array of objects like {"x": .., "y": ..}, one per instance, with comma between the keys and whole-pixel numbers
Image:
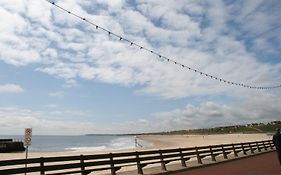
[{"x": 80, "y": 143}]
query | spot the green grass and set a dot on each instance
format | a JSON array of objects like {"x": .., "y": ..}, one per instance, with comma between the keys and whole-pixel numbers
[
  {"x": 269, "y": 128},
  {"x": 266, "y": 128},
  {"x": 225, "y": 130}
]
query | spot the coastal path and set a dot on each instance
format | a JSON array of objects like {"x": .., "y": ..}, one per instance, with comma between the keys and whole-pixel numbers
[{"x": 263, "y": 164}]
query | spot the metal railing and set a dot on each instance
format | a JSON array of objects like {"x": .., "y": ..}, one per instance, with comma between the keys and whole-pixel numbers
[{"x": 85, "y": 164}]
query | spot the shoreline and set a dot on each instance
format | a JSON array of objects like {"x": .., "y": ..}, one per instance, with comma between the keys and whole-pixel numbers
[{"x": 157, "y": 141}]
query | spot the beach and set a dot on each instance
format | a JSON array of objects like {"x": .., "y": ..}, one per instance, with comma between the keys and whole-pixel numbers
[
  {"x": 158, "y": 142},
  {"x": 176, "y": 141}
]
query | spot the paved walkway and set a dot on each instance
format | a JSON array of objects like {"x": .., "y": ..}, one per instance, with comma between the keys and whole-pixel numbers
[{"x": 264, "y": 164}]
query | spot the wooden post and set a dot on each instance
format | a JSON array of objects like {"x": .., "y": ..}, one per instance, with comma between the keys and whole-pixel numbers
[
  {"x": 113, "y": 172},
  {"x": 42, "y": 170},
  {"x": 198, "y": 156},
  {"x": 252, "y": 151},
  {"x": 269, "y": 142},
  {"x": 243, "y": 149},
  {"x": 163, "y": 165},
  {"x": 139, "y": 164},
  {"x": 212, "y": 153},
  {"x": 224, "y": 153},
  {"x": 265, "y": 148},
  {"x": 82, "y": 165},
  {"x": 258, "y": 146},
  {"x": 234, "y": 150},
  {"x": 182, "y": 159}
]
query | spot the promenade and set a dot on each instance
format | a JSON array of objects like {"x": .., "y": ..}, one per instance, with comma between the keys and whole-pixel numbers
[
  {"x": 245, "y": 158},
  {"x": 264, "y": 164}
]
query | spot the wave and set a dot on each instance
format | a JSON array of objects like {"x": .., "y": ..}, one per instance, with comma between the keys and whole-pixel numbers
[
  {"x": 83, "y": 143},
  {"x": 87, "y": 148},
  {"x": 127, "y": 143},
  {"x": 119, "y": 143},
  {"x": 114, "y": 144}
]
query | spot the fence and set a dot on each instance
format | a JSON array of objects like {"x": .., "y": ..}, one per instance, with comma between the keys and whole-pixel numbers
[{"x": 86, "y": 164}]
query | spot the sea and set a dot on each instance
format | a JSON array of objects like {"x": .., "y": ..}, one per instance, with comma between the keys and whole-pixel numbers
[{"x": 46, "y": 143}]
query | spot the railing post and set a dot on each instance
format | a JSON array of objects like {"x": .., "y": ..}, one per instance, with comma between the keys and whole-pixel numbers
[
  {"x": 234, "y": 150},
  {"x": 113, "y": 172},
  {"x": 82, "y": 165},
  {"x": 212, "y": 153},
  {"x": 258, "y": 146},
  {"x": 182, "y": 159},
  {"x": 250, "y": 145},
  {"x": 198, "y": 156},
  {"x": 138, "y": 163},
  {"x": 269, "y": 142},
  {"x": 224, "y": 153},
  {"x": 163, "y": 166},
  {"x": 265, "y": 148},
  {"x": 245, "y": 153},
  {"x": 42, "y": 170}
]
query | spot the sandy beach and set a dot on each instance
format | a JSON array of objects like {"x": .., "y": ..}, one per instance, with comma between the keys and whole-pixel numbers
[
  {"x": 158, "y": 141},
  {"x": 176, "y": 141}
]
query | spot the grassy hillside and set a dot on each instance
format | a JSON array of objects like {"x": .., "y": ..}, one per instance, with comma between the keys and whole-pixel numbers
[
  {"x": 262, "y": 128},
  {"x": 269, "y": 128},
  {"x": 252, "y": 128}
]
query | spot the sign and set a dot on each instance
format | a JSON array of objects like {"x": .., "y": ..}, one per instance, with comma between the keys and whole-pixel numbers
[{"x": 28, "y": 136}]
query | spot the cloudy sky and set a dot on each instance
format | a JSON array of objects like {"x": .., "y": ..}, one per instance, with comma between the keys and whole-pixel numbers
[{"x": 61, "y": 75}]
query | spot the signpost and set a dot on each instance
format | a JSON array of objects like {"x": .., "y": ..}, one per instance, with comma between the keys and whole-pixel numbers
[{"x": 27, "y": 141}]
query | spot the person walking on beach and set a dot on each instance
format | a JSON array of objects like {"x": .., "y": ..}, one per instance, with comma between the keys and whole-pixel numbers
[{"x": 277, "y": 143}]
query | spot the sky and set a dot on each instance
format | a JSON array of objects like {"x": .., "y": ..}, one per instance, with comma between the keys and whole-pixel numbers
[{"x": 61, "y": 76}]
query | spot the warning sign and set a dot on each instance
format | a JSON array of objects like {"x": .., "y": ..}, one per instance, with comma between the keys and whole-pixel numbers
[{"x": 28, "y": 136}]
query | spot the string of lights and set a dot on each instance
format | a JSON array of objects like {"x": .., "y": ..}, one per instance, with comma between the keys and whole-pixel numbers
[
  {"x": 267, "y": 31},
  {"x": 160, "y": 56}
]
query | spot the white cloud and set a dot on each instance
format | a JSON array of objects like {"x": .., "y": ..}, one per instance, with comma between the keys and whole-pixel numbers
[
  {"x": 215, "y": 37},
  {"x": 13, "y": 120},
  {"x": 117, "y": 4},
  {"x": 10, "y": 88},
  {"x": 58, "y": 94},
  {"x": 39, "y": 12},
  {"x": 12, "y": 22},
  {"x": 19, "y": 58},
  {"x": 250, "y": 108},
  {"x": 62, "y": 70},
  {"x": 211, "y": 114},
  {"x": 65, "y": 47},
  {"x": 51, "y": 105}
]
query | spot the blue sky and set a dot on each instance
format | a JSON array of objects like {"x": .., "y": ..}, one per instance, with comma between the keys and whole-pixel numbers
[{"x": 59, "y": 75}]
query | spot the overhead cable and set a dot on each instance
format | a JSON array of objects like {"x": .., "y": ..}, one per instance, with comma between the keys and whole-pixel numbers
[{"x": 160, "y": 56}]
